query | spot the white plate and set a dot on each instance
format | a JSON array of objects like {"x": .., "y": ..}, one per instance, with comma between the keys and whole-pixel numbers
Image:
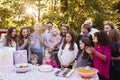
[
  {"x": 45, "y": 68},
  {"x": 22, "y": 70}
]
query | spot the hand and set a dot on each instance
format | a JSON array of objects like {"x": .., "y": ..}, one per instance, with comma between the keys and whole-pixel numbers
[
  {"x": 90, "y": 50},
  {"x": 112, "y": 58},
  {"x": 67, "y": 65}
]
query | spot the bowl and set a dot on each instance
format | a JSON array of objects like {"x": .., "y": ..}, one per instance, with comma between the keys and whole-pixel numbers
[
  {"x": 87, "y": 72},
  {"x": 24, "y": 67}
]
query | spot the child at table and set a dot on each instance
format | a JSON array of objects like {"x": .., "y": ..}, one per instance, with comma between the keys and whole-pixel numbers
[
  {"x": 34, "y": 59},
  {"x": 49, "y": 59},
  {"x": 83, "y": 58}
]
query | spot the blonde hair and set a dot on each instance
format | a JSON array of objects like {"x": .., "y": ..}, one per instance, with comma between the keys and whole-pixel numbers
[{"x": 55, "y": 31}]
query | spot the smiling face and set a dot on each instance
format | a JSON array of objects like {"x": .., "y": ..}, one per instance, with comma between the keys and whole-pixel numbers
[
  {"x": 49, "y": 26},
  {"x": 85, "y": 31},
  {"x": 68, "y": 38},
  {"x": 64, "y": 30},
  {"x": 107, "y": 28},
  {"x": 82, "y": 45},
  {"x": 14, "y": 33},
  {"x": 24, "y": 33}
]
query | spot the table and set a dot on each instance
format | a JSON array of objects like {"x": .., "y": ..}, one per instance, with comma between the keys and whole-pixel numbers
[{"x": 35, "y": 74}]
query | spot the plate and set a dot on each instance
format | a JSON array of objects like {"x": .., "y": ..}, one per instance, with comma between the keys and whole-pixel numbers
[
  {"x": 45, "y": 68},
  {"x": 24, "y": 67}
]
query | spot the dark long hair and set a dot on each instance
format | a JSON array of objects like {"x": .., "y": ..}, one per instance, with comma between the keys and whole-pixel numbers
[
  {"x": 103, "y": 39},
  {"x": 72, "y": 41},
  {"x": 86, "y": 42},
  {"x": 111, "y": 25},
  {"x": 114, "y": 35},
  {"x": 9, "y": 36},
  {"x": 20, "y": 39}
]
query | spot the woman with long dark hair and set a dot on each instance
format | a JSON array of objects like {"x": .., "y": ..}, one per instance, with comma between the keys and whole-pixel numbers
[
  {"x": 63, "y": 31},
  {"x": 11, "y": 37},
  {"x": 108, "y": 27},
  {"x": 114, "y": 35},
  {"x": 83, "y": 58},
  {"x": 68, "y": 51},
  {"x": 24, "y": 41}
]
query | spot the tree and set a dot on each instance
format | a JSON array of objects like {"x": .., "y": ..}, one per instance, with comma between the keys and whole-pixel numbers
[{"x": 73, "y": 12}]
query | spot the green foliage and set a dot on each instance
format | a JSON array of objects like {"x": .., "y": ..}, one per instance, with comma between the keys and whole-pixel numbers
[{"x": 73, "y": 12}]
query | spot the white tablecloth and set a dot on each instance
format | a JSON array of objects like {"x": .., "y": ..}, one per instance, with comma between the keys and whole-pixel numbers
[{"x": 35, "y": 74}]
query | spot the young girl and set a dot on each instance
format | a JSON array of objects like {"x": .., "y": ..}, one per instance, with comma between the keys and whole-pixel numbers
[
  {"x": 100, "y": 54},
  {"x": 49, "y": 59},
  {"x": 83, "y": 59},
  {"x": 34, "y": 59},
  {"x": 68, "y": 51}
]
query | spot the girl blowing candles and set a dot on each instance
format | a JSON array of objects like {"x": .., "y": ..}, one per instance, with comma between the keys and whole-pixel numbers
[
  {"x": 68, "y": 51},
  {"x": 49, "y": 59},
  {"x": 100, "y": 54}
]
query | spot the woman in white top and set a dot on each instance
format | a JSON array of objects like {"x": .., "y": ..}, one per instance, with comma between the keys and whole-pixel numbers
[{"x": 68, "y": 51}]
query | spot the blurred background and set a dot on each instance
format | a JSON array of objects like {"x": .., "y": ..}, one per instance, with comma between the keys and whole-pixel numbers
[{"x": 21, "y": 13}]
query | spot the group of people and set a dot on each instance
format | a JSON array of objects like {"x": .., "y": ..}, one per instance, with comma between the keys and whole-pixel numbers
[{"x": 98, "y": 49}]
